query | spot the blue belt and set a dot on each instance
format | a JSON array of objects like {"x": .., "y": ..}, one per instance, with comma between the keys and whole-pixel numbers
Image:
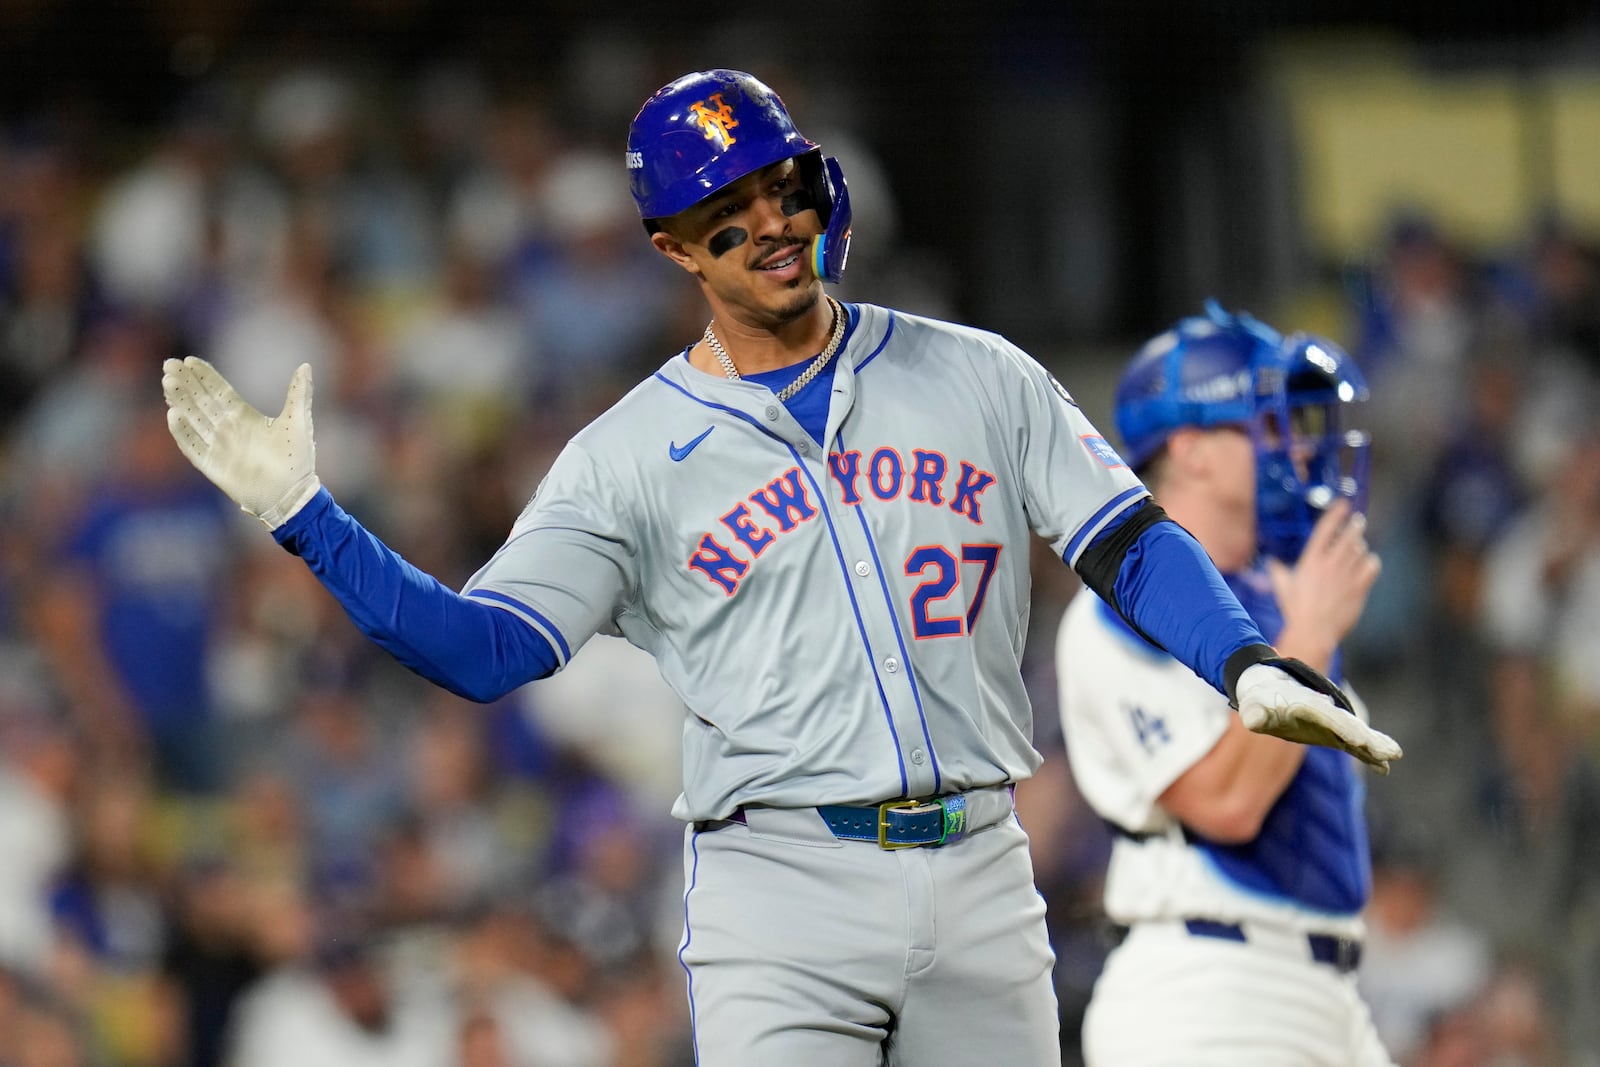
[
  {"x": 1341, "y": 953},
  {"x": 929, "y": 822}
]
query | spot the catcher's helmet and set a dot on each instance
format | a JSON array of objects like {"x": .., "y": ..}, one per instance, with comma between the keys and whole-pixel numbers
[
  {"x": 708, "y": 129},
  {"x": 1288, "y": 394},
  {"x": 1205, "y": 371}
]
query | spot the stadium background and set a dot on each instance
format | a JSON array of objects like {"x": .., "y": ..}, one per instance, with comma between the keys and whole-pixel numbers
[{"x": 240, "y": 864}]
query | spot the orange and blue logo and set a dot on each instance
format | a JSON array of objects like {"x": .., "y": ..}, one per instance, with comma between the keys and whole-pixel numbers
[{"x": 714, "y": 121}]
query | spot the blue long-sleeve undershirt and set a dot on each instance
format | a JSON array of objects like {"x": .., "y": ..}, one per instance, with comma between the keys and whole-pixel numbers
[
  {"x": 467, "y": 646},
  {"x": 1169, "y": 589},
  {"x": 1166, "y": 586}
]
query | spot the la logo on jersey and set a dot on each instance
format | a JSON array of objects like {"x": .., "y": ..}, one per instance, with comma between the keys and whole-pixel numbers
[
  {"x": 714, "y": 122},
  {"x": 786, "y": 503}
]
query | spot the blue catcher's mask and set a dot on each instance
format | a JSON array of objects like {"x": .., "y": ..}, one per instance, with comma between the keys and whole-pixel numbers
[
  {"x": 1306, "y": 454},
  {"x": 711, "y": 128}
]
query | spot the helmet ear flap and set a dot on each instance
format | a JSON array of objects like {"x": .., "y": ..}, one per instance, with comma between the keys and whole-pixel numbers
[
  {"x": 831, "y": 247},
  {"x": 814, "y": 180}
]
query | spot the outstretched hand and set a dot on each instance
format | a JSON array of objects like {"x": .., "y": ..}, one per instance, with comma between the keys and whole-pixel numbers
[
  {"x": 1273, "y": 701},
  {"x": 266, "y": 465}
]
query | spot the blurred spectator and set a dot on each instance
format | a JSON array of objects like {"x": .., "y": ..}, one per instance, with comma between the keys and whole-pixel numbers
[
  {"x": 611, "y": 705},
  {"x": 465, "y": 362},
  {"x": 1469, "y": 498},
  {"x": 38, "y": 765},
  {"x": 208, "y": 959},
  {"x": 1475, "y": 488},
  {"x": 1541, "y": 611},
  {"x": 482, "y": 1042},
  {"x": 1421, "y": 327},
  {"x": 111, "y": 927},
  {"x": 498, "y": 210},
  {"x": 497, "y": 977},
  {"x": 348, "y": 783},
  {"x": 1509, "y": 1024},
  {"x": 1555, "y": 285},
  {"x": 340, "y": 1009},
  {"x": 596, "y": 297},
  {"x": 372, "y": 214},
  {"x": 447, "y": 122},
  {"x": 1518, "y": 1020},
  {"x": 644, "y": 1008},
  {"x": 1418, "y": 310},
  {"x": 461, "y": 811},
  {"x": 108, "y": 900},
  {"x": 1070, "y": 847},
  {"x": 1420, "y": 962},
  {"x": 609, "y": 869},
  {"x": 188, "y": 222},
  {"x": 1419, "y": 324},
  {"x": 11, "y": 994},
  {"x": 129, "y": 615},
  {"x": 266, "y": 830},
  {"x": 48, "y": 297},
  {"x": 46, "y": 1035}
]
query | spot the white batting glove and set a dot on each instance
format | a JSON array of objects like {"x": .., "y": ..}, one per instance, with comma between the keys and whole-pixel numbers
[
  {"x": 1272, "y": 701},
  {"x": 267, "y": 466}
]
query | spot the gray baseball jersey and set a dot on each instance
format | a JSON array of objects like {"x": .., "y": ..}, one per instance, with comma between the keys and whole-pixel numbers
[{"x": 845, "y": 624}]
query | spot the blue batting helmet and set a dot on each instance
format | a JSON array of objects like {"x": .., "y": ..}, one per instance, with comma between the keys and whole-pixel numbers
[
  {"x": 1306, "y": 453},
  {"x": 711, "y": 128},
  {"x": 1204, "y": 371}
]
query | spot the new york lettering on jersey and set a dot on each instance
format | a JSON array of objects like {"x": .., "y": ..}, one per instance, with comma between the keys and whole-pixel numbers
[{"x": 784, "y": 504}]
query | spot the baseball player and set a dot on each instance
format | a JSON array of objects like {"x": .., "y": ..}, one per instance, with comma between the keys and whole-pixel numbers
[
  {"x": 816, "y": 518},
  {"x": 1240, "y": 863}
]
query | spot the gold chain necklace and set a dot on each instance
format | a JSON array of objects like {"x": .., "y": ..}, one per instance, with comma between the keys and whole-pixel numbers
[{"x": 839, "y": 320}]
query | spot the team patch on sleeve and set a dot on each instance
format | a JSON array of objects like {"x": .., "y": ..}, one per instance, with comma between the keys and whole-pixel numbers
[{"x": 1101, "y": 450}]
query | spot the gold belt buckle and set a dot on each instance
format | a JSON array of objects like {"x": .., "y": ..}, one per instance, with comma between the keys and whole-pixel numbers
[{"x": 914, "y": 807}]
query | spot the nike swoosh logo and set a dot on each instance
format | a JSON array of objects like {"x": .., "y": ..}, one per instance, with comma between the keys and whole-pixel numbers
[{"x": 680, "y": 454}]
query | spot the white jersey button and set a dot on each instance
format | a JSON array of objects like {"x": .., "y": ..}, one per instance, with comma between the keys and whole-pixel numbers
[
  {"x": 891, "y": 664},
  {"x": 917, "y": 757},
  {"x": 805, "y": 448},
  {"x": 772, "y": 412},
  {"x": 862, "y": 568}
]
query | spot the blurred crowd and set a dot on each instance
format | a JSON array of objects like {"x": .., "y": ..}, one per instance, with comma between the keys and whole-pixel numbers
[{"x": 234, "y": 834}]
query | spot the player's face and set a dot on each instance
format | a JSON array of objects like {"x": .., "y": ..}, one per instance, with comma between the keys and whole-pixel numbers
[
  {"x": 749, "y": 244},
  {"x": 1233, "y": 470}
]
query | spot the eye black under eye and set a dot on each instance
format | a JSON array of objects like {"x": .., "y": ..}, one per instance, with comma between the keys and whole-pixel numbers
[{"x": 797, "y": 201}]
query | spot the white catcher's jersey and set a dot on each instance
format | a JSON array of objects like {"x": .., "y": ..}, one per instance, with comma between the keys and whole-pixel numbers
[
  {"x": 1134, "y": 720},
  {"x": 845, "y": 624}
]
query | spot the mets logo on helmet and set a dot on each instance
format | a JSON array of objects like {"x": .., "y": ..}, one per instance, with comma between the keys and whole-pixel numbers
[{"x": 714, "y": 122}]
